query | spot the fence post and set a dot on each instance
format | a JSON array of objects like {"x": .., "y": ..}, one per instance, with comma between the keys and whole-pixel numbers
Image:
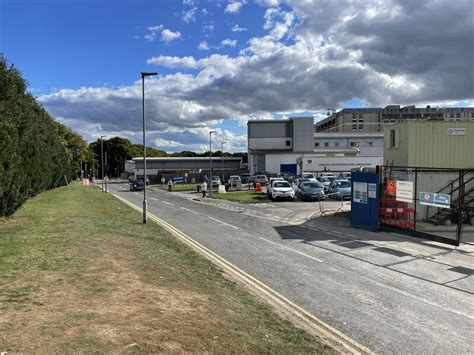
[
  {"x": 416, "y": 195},
  {"x": 460, "y": 205}
]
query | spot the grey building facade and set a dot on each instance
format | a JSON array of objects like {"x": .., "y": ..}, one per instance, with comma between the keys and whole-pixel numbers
[
  {"x": 274, "y": 145},
  {"x": 374, "y": 119}
]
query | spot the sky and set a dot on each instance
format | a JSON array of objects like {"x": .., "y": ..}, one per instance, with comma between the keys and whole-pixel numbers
[{"x": 223, "y": 62}]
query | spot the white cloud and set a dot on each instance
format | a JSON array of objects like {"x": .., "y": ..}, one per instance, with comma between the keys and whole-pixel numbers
[
  {"x": 190, "y": 15},
  {"x": 229, "y": 42},
  {"x": 188, "y": 2},
  {"x": 164, "y": 143},
  {"x": 338, "y": 51},
  {"x": 237, "y": 28},
  {"x": 168, "y": 35},
  {"x": 269, "y": 3},
  {"x": 173, "y": 62},
  {"x": 204, "y": 46},
  {"x": 153, "y": 32},
  {"x": 233, "y": 7},
  {"x": 208, "y": 28}
]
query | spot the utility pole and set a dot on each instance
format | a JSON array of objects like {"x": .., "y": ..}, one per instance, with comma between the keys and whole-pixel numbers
[
  {"x": 210, "y": 161},
  {"x": 222, "y": 160},
  {"x": 102, "y": 159},
  {"x": 144, "y": 142}
]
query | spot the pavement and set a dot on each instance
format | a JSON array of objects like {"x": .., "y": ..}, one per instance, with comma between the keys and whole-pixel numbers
[{"x": 389, "y": 292}]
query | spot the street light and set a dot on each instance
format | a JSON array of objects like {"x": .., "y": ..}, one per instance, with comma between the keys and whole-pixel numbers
[
  {"x": 222, "y": 159},
  {"x": 102, "y": 160},
  {"x": 144, "y": 142},
  {"x": 210, "y": 161}
]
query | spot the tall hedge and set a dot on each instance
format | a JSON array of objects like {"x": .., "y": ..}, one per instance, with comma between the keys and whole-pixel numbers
[{"x": 32, "y": 156}]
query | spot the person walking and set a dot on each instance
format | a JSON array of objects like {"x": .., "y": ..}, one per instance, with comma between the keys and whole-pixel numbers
[
  {"x": 170, "y": 185},
  {"x": 204, "y": 188}
]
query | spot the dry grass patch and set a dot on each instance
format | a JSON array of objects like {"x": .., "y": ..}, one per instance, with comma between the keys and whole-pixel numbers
[{"x": 80, "y": 273}]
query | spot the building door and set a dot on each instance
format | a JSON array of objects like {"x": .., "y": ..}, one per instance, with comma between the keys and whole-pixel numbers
[{"x": 288, "y": 168}]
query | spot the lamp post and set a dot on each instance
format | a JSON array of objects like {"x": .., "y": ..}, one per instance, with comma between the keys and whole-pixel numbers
[
  {"x": 222, "y": 159},
  {"x": 210, "y": 161},
  {"x": 144, "y": 74},
  {"x": 102, "y": 160}
]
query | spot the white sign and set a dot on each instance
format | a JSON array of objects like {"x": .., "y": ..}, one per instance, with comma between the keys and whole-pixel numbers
[
  {"x": 404, "y": 191},
  {"x": 313, "y": 162},
  {"x": 372, "y": 191},
  {"x": 456, "y": 131},
  {"x": 360, "y": 192}
]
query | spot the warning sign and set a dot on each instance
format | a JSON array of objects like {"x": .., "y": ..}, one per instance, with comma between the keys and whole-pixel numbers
[
  {"x": 404, "y": 191},
  {"x": 391, "y": 190}
]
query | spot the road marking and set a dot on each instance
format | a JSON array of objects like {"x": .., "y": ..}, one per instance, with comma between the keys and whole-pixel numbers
[
  {"x": 291, "y": 249},
  {"x": 282, "y": 304},
  {"x": 152, "y": 198},
  {"x": 186, "y": 209},
  {"x": 167, "y": 203},
  {"x": 227, "y": 224}
]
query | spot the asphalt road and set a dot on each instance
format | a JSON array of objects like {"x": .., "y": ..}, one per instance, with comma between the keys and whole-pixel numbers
[{"x": 391, "y": 293}]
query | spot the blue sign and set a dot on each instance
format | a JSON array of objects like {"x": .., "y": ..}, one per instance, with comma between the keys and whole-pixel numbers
[
  {"x": 178, "y": 179},
  {"x": 433, "y": 199}
]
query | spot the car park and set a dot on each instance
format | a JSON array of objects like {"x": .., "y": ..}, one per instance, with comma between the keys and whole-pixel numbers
[
  {"x": 310, "y": 190},
  {"x": 216, "y": 181},
  {"x": 340, "y": 188},
  {"x": 270, "y": 181},
  {"x": 309, "y": 176},
  {"x": 326, "y": 181},
  {"x": 245, "y": 178},
  {"x": 281, "y": 189},
  {"x": 137, "y": 185},
  {"x": 261, "y": 179}
]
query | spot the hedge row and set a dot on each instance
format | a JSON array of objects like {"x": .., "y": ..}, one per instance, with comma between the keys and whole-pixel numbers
[{"x": 32, "y": 156}]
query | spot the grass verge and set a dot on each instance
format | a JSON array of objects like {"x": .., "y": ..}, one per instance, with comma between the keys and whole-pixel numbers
[
  {"x": 79, "y": 272},
  {"x": 243, "y": 196},
  {"x": 179, "y": 187}
]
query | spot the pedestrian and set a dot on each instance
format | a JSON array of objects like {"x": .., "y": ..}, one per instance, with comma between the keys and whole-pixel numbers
[
  {"x": 204, "y": 188},
  {"x": 170, "y": 185}
]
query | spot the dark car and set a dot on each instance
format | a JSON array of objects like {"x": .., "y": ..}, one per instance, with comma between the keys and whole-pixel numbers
[
  {"x": 137, "y": 185},
  {"x": 310, "y": 190},
  {"x": 245, "y": 178}
]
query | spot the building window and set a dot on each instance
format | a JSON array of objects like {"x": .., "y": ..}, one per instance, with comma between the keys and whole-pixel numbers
[
  {"x": 288, "y": 143},
  {"x": 394, "y": 137},
  {"x": 361, "y": 126},
  {"x": 354, "y": 127},
  {"x": 354, "y": 144},
  {"x": 316, "y": 144},
  {"x": 326, "y": 144},
  {"x": 336, "y": 144},
  {"x": 451, "y": 115},
  {"x": 354, "y": 116},
  {"x": 458, "y": 114}
]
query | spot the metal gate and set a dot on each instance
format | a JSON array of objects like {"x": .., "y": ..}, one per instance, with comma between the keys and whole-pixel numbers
[{"x": 433, "y": 203}]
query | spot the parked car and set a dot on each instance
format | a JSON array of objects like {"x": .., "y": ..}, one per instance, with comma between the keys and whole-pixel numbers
[
  {"x": 309, "y": 176},
  {"x": 216, "y": 181},
  {"x": 281, "y": 189},
  {"x": 303, "y": 180},
  {"x": 137, "y": 185},
  {"x": 310, "y": 190},
  {"x": 327, "y": 175},
  {"x": 245, "y": 178},
  {"x": 270, "y": 181},
  {"x": 326, "y": 181},
  {"x": 262, "y": 179},
  {"x": 233, "y": 181},
  {"x": 340, "y": 187}
]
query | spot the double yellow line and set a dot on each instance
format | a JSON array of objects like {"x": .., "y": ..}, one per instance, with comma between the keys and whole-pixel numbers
[{"x": 282, "y": 305}]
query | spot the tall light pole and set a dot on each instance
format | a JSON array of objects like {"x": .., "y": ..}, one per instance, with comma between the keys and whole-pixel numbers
[
  {"x": 144, "y": 142},
  {"x": 222, "y": 159},
  {"x": 210, "y": 161},
  {"x": 102, "y": 160}
]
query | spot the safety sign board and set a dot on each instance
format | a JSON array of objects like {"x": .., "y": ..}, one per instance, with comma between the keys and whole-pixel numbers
[
  {"x": 360, "y": 192},
  {"x": 404, "y": 191},
  {"x": 372, "y": 190},
  {"x": 456, "y": 131},
  {"x": 433, "y": 199}
]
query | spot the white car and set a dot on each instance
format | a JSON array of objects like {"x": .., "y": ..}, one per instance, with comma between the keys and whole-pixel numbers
[
  {"x": 309, "y": 176},
  {"x": 326, "y": 182},
  {"x": 270, "y": 181},
  {"x": 281, "y": 189}
]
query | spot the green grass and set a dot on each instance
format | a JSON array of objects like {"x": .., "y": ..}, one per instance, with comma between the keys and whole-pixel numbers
[
  {"x": 79, "y": 272},
  {"x": 243, "y": 196}
]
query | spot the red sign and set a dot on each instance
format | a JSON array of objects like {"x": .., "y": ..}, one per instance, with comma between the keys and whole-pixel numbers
[{"x": 391, "y": 189}]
